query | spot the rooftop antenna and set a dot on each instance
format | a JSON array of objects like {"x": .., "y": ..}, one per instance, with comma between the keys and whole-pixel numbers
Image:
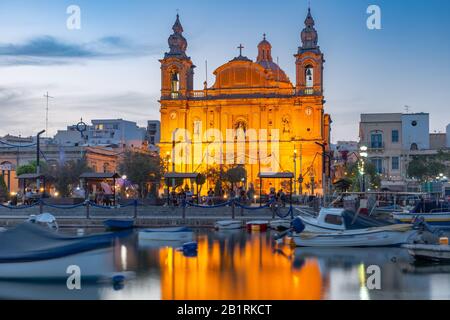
[
  {"x": 407, "y": 109},
  {"x": 47, "y": 96}
]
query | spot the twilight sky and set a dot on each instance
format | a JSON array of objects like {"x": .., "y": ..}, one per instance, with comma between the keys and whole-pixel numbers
[{"x": 110, "y": 68}]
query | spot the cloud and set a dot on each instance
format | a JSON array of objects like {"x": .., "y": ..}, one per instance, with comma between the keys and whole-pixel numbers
[{"x": 48, "y": 50}]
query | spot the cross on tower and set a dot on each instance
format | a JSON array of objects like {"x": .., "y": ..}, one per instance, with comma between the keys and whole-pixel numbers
[{"x": 240, "y": 49}]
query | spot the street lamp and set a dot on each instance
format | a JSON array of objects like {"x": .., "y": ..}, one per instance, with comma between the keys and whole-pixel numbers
[
  {"x": 363, "y": 155},
  {"x": 295, "y": 170}
]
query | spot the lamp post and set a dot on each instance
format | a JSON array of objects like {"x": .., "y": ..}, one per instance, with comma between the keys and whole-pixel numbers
[
  {"x": 324, "y": 168},
  {"x": 363, "y": 155},
  {"x": 295, "y": 171}
]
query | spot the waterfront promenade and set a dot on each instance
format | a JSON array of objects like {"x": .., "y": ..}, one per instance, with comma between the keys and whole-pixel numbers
[{"x": 145, "y": 216}]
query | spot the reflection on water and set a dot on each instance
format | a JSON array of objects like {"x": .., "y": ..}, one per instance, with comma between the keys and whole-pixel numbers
[{"x": 238, "y": 265}]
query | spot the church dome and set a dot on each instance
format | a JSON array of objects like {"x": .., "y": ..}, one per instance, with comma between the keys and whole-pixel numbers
[{"x": 265, "y": 60}]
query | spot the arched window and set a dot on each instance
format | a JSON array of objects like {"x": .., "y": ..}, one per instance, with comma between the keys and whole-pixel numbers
[
  {"x": 309, "y": 76},
  {"x": 175, "y": 82},
  {"x": 414, "y": 147},
  {"x": 376, "y": 139}
]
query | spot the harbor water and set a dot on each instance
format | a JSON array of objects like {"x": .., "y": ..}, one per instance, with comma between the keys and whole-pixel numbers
[{"x": 238, "y": 265}]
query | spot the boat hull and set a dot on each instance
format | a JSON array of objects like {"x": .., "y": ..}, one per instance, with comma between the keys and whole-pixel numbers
[
  {"x": 441, "y": 220},
  {"x": 228, "y": 225},
  {"x": 94, "y": 265},
  {"x": 257, "y": 226},
  {"x": 280, "y": 225},
  {"x": 117, "y": 225},
  {"x": 362, "y": 238},
  {"x": 169, "y": 234}
]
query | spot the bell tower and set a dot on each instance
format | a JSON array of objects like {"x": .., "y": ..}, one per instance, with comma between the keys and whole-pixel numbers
[
  {"x": 310, "y": 60},
  {"x": 177, "y": 69}
]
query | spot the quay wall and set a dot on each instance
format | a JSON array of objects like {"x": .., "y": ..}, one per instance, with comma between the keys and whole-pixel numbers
[{"x": 148, "y": 216}]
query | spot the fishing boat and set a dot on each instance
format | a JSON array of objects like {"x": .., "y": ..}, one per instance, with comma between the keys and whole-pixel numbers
[
  {"x": 436, "y": 214},
  {"x": 34, "y": 253},
  {"x": 167, "y": 234},
  {"x": 430, "y": 252},
  {"x": 388, "y": 236},
  {"x": 280, "y": 225},
  {"x": 117, "y": 225},
  {"x": 337, "y": 219},
  {"x": 228, "y": 225},
  {"x": 257, "y": 226}
]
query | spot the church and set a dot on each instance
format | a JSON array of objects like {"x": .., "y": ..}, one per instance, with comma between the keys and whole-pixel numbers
[{"x": 252, "y": 116}]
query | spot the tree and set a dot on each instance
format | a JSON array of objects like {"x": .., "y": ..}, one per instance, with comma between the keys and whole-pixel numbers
[
  {"x": 142, "y": 169},
  {"x": 370, "y": 173},
  {"x": 32, "y": 168},
  {"x": 235, "y": 175},
  {"x": 200, "y": 181},
  {"x": 4, "y": 195},
  {"x": 429, "y": 166},
  {"x": 67, "y": 175}
]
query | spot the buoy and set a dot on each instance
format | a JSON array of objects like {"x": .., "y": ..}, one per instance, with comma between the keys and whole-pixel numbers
[{"x": 118, "y": 282}]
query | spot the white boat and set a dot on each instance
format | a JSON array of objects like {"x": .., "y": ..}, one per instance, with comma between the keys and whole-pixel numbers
[
  {"x": 93, "y": 265},
  {"x": 426, "y": 252},
  {"x": 45, "y": 219},
  {"x": 2, "y": 229},
  {"x": 167, "y": 234},
  {"x": 336, "y": 219},
  {"x": 31, "y": 252},
  {"x": 228, "y": 225},
  {"x": 389, "y": 236},
  {"x": 280, "y": 225}
]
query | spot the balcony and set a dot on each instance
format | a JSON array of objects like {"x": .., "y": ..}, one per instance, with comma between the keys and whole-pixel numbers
[{"x": 376, "y": 147}]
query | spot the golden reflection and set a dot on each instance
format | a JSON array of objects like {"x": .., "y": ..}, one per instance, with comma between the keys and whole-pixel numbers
[{"x": 252, "y": 269}]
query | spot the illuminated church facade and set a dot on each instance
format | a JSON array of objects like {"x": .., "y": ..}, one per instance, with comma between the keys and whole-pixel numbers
[{"x": 283, "y": 125}]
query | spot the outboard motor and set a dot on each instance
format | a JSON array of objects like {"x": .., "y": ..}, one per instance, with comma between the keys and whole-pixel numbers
[
  {"x": 298, "y": 226},
  {"x": 427, "y": 234}
]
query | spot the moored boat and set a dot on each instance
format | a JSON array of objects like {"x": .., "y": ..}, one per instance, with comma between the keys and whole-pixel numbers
[
  {"x": 388, "y": 236},
  {"x": 31, "y": 252},
  {"x": 117, "y": 225},
  {"x": 441, "y": 220},
  {"x": 434, "y": 214},
  {"x": 280, "y": 225},
  {"x": 46, "y": 219},
  {"x": 427, "y": 252},
  {"x": 228, "y": 225},
  {"x": 167, "y": 234},
  {"x": 337, "y": 219},
  {"x": 257, "y": 226}
]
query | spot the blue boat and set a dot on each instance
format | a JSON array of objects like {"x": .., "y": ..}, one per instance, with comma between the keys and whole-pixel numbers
[
  {"x": 115, "y": 224},
  {"x": 435, "y": 214}
]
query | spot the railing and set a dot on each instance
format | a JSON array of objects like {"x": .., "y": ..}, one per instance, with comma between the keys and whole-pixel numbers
[
  {"x": 244, "y": 92},
  {"x": 374, "y": 147}
]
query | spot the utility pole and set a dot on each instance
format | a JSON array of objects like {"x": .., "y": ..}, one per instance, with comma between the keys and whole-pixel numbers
[
  {"x": 47, "y": 96},
  {"x": 38, "y": 158}
]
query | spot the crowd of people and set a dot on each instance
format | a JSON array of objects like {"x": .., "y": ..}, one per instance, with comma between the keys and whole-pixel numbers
[{"x": 177, "y": 197}]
